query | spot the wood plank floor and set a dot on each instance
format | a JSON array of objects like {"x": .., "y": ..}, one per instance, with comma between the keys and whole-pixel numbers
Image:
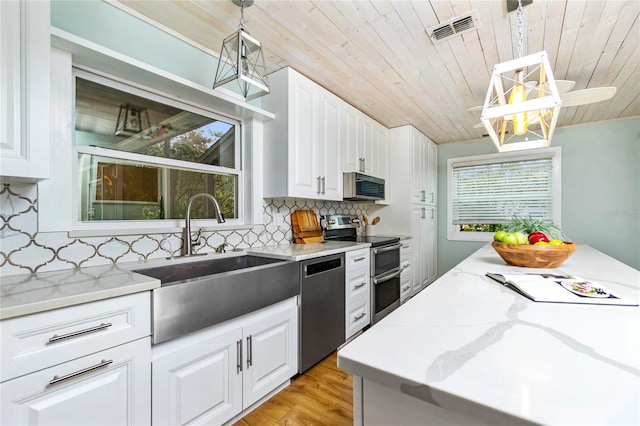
[{"x": 321, "y": 396}]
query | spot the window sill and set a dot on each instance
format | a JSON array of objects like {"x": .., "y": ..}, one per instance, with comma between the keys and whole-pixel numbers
[{"x": 155, "y": 230}]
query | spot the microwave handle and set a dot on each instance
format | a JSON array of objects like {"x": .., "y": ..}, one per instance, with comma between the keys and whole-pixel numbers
[
  {"x": 386, "y": 277},
  {"x": 385, "y": 249}
]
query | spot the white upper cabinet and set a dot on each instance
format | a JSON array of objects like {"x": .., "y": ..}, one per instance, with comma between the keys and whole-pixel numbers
[
  {"x": 25, "y": 90},
  {"x": 364, "y": 143},
  {"x": 302, "y": 144},
  {"x": 423, "y": 173},
  {"x": 329, "y": 145}
]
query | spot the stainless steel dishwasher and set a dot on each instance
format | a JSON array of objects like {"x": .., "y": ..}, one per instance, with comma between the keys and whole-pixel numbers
[{"x": 322, "y": 294}]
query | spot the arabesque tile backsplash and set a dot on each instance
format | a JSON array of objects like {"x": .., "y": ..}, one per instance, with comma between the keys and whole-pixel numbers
[{"x": 24, "y": 250}]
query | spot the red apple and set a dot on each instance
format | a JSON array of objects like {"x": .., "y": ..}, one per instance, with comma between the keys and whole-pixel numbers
[{"x": 536, "y": 236}]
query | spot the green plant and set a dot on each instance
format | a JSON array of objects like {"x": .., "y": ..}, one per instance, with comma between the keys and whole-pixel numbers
[{"x": 528, "y": 225}]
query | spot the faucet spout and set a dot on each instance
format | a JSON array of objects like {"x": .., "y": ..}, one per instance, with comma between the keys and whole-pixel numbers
[{"x": 187, "y": 244}]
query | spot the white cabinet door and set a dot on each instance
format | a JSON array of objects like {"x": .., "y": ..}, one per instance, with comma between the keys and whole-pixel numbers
[
  {"x": 365, "y": 143},
  {"x": 381, "y": 138},
  {"x": 110, "y": 387},
  {"x": 418, "y": 213},
  {"x": 201, "y": 383},
  {"x": 419, "y": 154},
  {"x": 25, "y": 151},
  {"x": 271, "y": 358},
  {"x": 431, "y": 244},
  {"x": 329, "y": 146},
  {"x": 349, "y": 139},
  {"x": 431, "y": 173},
  {"x": 303, "y": 140}
]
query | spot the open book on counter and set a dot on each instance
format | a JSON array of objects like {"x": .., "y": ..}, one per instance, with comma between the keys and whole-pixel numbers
[{"x": 560, "y": 289}]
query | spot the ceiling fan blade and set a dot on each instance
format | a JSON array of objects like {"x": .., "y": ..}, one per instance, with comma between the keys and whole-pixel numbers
[
  {"x": 587, "y": 96},
  {"x": 564, "y": 85}
]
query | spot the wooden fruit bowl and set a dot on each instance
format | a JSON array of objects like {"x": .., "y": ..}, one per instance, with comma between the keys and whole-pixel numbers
[{"x": 532, "y": 256}]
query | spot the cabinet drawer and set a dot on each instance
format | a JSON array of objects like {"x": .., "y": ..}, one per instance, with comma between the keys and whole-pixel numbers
[
  {"x": 111, "y": 387},
  {"x": 406, "y": 250},
  {"x": 357, "y": 283},
  {"x": 405, "y": 284},
  {"x": 38, "y": 341},
  {"x": 358, "y": 316},
  {"x": 356, "y": 259}
]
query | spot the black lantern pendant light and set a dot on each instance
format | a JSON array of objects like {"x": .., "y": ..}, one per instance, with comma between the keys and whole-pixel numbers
[{"x": 132, "y": 120}]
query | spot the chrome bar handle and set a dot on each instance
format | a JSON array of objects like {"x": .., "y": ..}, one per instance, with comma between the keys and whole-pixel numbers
[
  {"x": 360, "y": 259},
  {"x": 432, "y": 213},
  {"x": 56, "y": 338},
  {"x": 318, "y": 185},
  {"x": 423, "y": 215},
  {"x": 357, "y": 286},
  {"x": 239, "y": 356},
  {"x": 249, "y": 352},
  {"x": 386, "y": 277},
  {"x": 423, "y": 195},
  {"x": 323, "y": 184},
  {"x": 432, "y": 195},
  {"x": 406, "y": 287},
  {"x": 58, "y": 379},
  {"x": 359, "y": 316},
  {"x": 385, "y": 249}
]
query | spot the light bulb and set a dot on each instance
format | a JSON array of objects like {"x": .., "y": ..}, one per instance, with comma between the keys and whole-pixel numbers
[{"x": 518, "y": 94}]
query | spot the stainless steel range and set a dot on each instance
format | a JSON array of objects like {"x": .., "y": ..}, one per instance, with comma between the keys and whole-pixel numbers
[{"x": 385, "y": 261}]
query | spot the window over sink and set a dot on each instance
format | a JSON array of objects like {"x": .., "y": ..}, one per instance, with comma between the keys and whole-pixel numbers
[{"x": 141, "y": 156}]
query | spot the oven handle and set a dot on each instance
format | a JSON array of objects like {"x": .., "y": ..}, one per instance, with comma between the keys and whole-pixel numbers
[
  {"x": 395, "y": 272},
  {"x": 384, "y": 249}
]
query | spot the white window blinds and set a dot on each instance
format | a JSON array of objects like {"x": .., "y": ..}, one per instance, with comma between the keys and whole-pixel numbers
[{"x": 493, "y": 193}]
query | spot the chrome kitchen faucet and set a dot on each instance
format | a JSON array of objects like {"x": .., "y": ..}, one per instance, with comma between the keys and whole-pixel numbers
[{"x": 187, "y": 242}]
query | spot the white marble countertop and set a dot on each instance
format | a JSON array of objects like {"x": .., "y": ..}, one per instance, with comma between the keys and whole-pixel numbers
[
  {"x": 471, "y": 345},
  {"x": 28, "y": 294},
  {"x": 306, "y": 251}
]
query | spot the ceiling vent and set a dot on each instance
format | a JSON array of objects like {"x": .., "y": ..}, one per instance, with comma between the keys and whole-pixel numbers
[{"x": 454, "y": 26}]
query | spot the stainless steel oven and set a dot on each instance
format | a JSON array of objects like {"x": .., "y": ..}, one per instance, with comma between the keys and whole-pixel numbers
[
  {"x": 385, "y": 280},
  {"x": 385, "y": 261}
]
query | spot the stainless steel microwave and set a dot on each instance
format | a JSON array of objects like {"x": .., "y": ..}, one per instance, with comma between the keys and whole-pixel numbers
[{"x": 360, "y": 187}]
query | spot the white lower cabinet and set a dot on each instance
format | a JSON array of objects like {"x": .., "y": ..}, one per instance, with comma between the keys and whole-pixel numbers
[
  {"x": 212, "y": 375},
  {"x": 357, "y": 291},
  {"x": 110, "y": 387},
  {"x": 406, "y": 276},
  {"x": 88, "y": 364}
]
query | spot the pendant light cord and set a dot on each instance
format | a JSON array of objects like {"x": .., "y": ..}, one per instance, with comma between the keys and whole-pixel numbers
[
  {"x": 520, "y": 30},
  {"x": 241, "y": 24}
]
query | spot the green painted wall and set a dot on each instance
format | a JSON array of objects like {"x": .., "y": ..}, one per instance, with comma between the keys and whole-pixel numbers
[
  {"x": 600, "y": 190},
  {"x": 110, "y": 27}
]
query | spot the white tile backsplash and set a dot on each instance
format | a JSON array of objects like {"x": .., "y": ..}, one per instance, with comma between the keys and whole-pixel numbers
[{"x": 24, "y": 250}]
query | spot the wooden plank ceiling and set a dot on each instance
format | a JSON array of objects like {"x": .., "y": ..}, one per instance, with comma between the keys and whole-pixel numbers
[{"x": 376, "y": 54}]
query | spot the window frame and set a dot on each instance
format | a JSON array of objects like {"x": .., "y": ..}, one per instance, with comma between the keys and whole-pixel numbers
[
  {"x": 154, "y": 225},
  {"x": 555, "y": 153}
]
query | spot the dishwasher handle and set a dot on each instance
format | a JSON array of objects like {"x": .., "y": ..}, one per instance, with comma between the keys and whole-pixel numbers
[{"x": 322, "y": 265}]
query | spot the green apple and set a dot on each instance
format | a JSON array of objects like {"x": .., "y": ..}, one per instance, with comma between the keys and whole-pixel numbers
[
  {"x": 499, "y": 235},
  {"x": 510, "y": 239},
  {"x": 541, "y": 243},
  {"x": 556, "y": 243},
  {"x": 522, "y": 238}
]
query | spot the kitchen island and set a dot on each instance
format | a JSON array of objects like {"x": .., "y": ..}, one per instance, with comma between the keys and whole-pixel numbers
[{"x": 468, "y": 350}]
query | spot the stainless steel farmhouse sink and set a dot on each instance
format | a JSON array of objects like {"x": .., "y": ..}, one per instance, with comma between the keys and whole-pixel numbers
[{"x": 196, "y": 295}]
